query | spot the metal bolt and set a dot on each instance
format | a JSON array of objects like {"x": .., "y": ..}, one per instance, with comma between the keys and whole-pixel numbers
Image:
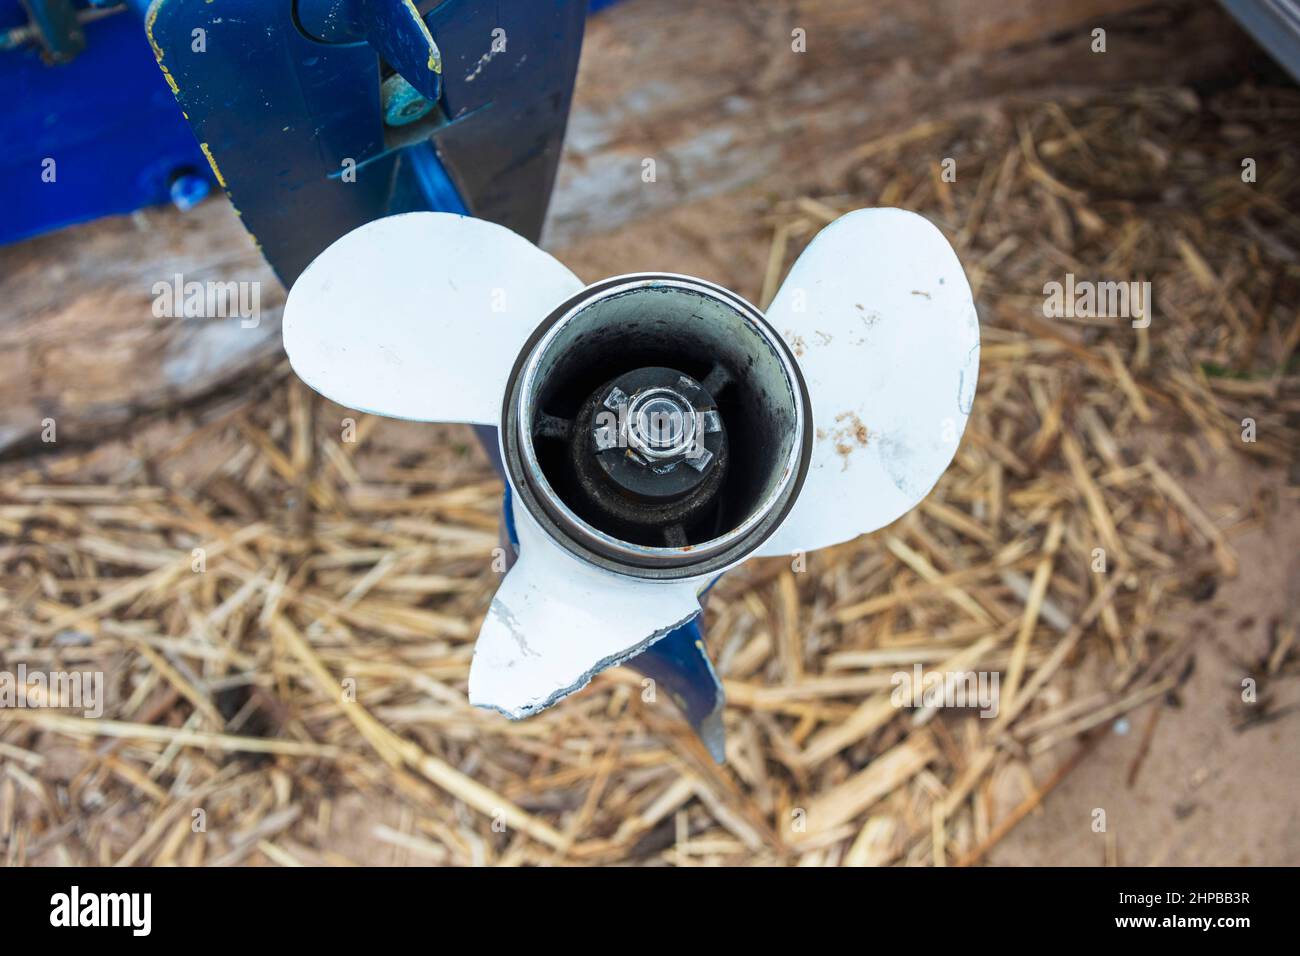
[{"x": 661, "y": 424}]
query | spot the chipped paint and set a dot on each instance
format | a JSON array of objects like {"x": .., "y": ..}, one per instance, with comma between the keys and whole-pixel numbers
[
  {"x": 435, "y": 55},
  {"x": 969, "y": 374},
  {"x": 216, "y": 171},
  {"x": 511, "y": 624},
  {"x": 149, "y": 19},
  {"x": 483, "y": 61}
]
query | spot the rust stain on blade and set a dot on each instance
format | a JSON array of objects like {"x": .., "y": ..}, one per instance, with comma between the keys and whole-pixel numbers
[{"x": 849, "y": 435}]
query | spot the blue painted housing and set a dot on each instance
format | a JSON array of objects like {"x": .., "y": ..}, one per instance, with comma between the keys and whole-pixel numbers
[
  {"x": 107, "y": 120},
  {"x": 119, "y": 141}
]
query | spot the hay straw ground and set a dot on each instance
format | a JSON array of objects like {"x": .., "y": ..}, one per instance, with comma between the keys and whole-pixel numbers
[{"x": 304, "y": 690}]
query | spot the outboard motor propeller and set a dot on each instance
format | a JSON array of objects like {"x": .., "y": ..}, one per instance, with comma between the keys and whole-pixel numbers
[{"x": 656, "y": 430}]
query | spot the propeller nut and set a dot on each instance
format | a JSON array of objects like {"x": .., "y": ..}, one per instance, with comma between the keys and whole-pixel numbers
[
  {"x": 649, "y": 453},
  {"x": 656, "y": 419},
  {"x": 661, "y": 426}
]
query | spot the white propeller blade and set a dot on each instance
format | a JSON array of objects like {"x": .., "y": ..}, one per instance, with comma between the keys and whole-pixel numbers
[
  {"x": 421, "y": 316},
  {"x": 556, "y": 621},
  {"x": 880, "y": 317}
]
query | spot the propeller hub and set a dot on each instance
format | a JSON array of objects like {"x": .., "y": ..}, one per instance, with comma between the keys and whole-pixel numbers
[{"x": 656, "y": 425}]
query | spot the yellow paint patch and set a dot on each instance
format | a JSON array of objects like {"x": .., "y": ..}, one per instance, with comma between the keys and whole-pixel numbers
[
  {"x": 435, "y": 57},
  {"x": 221, "y": 180},
  {"x": 149, "y": 18}
]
